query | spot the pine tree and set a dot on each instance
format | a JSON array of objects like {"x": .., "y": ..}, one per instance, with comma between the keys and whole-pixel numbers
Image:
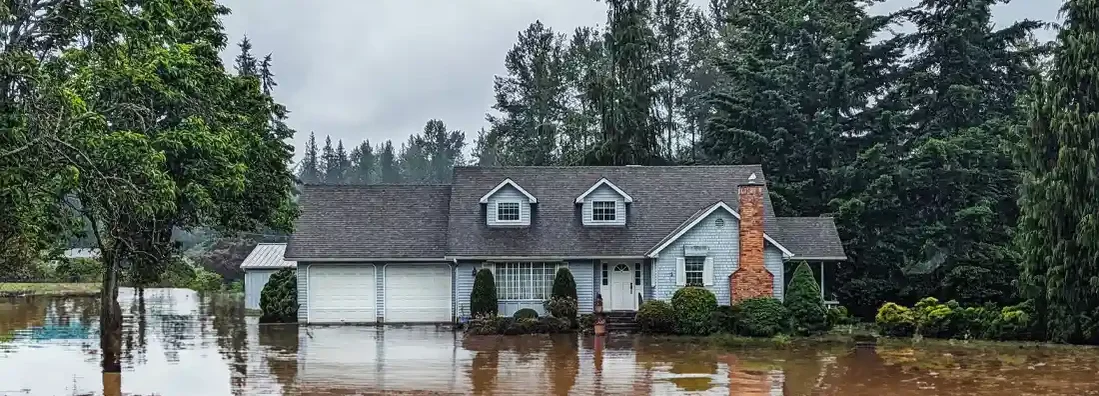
[
  {"x": 329, "y": 163},
  {"x": 486, "y": 149},
  {"x": 343, "y": 164},
  {"x": 670, "y": 22},
  {"x": 1058, "y": 234},
  {"x": 388, "y": 168},
  {"x": 413, "y": 163},
  {"x": 362, "y": 167},
  {"x": 442, "y": 149},
  {"x": 803, "y": 301},
  {"x": 310, "y": 172},
  {"x": 246, "y": 64}
]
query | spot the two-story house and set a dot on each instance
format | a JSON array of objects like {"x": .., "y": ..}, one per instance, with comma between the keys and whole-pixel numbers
[{"x": 408, "y": 254}]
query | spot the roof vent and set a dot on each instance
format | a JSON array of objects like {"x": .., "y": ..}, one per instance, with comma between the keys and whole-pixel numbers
[
  {"x": 752, "y": 177},
  {"x": 632, "y": 165}
]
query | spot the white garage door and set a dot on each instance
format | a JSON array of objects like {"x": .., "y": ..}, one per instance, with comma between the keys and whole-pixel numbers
[
  {"x": 417, "y": 293},
  {"x": 342, "y": 293}
]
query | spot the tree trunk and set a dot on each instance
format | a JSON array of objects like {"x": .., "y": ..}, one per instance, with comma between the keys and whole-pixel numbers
[{"x": 110, "y": 317}]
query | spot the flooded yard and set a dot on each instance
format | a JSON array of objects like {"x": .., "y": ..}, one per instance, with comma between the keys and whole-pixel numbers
[{"x": 176, "y": 343}]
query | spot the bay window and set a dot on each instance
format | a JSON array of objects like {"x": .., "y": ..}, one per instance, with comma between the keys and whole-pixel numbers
[{"x": 525, "y": 280}]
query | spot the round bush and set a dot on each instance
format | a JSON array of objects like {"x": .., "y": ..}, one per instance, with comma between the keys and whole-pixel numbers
[
  {"x": 760, "y": 317},
  {"x": 895, "y": 320},
  {"x": 561, "y": 307},
  {"x": 803, "y": 301},
  {"x": 525, "y": 313},
  {"x": 482, "y": 300},
  {"x": 279, "y": 298},
  {"x": 656, "y": 317},
  {"x": 724, "y": 320},
  {"x": 694, "y": 310}
]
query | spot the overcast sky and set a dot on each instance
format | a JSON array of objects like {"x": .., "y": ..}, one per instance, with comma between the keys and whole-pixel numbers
[{"x": 379, "y": 69}]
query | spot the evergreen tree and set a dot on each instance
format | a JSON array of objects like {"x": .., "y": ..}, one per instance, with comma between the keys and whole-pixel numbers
[
  {"x": 671, "y": 24},
  {"x": 310, "y": 172},
  {"x": 442, "y": 149},
  {"x": 585, "y": 69},
  {"x": 343, "y": 164},
  {"x": 413, "y": 163},
  {"x": 941, "y": 171},
  {"x": 246, "y": 64},
  {"x": 388, "y": 170},
  {"x": 362, "y": 164},
  {"x": 482, "y": 299},
  {"x": 1058, "y": 235},
  {"x": 803, "y": 301},
  {"x": 486, "y": 149},
  {"x": 329, "y": 163},
  {"x": 530, "y": 97}
]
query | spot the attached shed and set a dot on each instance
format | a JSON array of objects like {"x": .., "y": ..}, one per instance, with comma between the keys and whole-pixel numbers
[{"x": 258, "y": 267}]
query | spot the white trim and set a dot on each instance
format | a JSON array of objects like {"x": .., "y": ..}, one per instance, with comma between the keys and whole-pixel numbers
[
  {"x": 518, "y": 205},
  {"x": 822, "y": 258},
  {"x": 720, "y": 205},
  {"x": 506, "y": 182},
  {"x": 542, "y": 258},
  {"x": 614, "y": 208},
  {"x": 608, "y": 183}
]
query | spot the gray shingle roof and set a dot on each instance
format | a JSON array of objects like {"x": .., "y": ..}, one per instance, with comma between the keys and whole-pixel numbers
[
  {"x": 379, "y": 221},
  {"x": 663, "y": 198},
  {"x": 811, "y": 237},
  {"x": 267, "y": 256}
]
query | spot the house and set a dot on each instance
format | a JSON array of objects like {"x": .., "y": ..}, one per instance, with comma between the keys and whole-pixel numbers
[
  {"x": 388, "y": 253},
  {"x": 261, "y": 263}
]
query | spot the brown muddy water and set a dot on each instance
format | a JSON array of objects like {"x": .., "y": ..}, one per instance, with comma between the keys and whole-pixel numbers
[{"x": 178, "y": 343}]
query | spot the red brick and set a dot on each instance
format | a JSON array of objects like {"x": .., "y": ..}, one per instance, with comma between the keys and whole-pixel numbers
[{"x": 751, "y": 279}]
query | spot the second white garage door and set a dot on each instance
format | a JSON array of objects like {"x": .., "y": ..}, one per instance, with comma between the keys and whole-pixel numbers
[
  {"x": 341, "y": 294},
  {"x": 417, "y": 293}
]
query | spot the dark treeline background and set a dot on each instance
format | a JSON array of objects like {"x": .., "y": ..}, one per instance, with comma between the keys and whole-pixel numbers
[{"x": 906, "y": 138}]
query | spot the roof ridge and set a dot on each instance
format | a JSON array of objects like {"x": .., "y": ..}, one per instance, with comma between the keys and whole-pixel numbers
[{"x": 602, "y": 166}]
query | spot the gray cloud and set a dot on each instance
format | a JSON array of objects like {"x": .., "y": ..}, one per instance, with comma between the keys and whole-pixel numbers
[{"x": 380, "y": 69}]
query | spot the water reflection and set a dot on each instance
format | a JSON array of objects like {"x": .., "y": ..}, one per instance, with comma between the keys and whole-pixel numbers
[{"x": 176, "y": 342}]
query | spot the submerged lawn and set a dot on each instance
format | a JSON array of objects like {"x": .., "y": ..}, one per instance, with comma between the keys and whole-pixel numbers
[{"x": 49, "y": 289}]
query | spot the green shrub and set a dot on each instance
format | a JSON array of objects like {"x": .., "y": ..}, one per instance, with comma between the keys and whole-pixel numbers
[
  {"x": 895, "y": 320},
  {"x": 552, "y": 325},
  {"x": 974, "y": 322},
  {"x": 803, "y": 301},
  {"x": 279, "y": 298},
  {"x": 838, "y": 316},
  {"x": 1014, "y": 323},
  {"x": 482, "y": 301},
  {"x": 236, "y": 286},
  {"x": 525, "y": 313},
  {"x": 561, "y": 307},
  {"x": 934, "y": 319},
  {"x": 656, "y": 317},
  {"x": 586, "y": 323},
  {"x": 488, "y": 324},
  {"x": 724, "y": 321},
  {"x": 760, "y": 317},
  {"x": 206, "y": 281},
  {"x": 78, "y": 270},
  {"x": 694, "y": 310},
  {"x": 564, "y": 286}
]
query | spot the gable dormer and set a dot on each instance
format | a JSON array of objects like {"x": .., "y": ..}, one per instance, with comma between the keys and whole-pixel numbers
[
  {"x": 604, "y": 204},
  {"x": 508, "y": 205}
]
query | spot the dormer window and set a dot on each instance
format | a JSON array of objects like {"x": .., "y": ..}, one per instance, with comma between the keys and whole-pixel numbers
[
  {"x": 508, "y": 211},
  {"x": 603, "y": 211}
]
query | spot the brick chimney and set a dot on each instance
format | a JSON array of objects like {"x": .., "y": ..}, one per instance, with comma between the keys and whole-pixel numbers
[{"x": 751, "y": 278}]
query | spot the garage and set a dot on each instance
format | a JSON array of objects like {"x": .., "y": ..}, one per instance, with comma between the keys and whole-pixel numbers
[
  {"x": 417, "y": 293},
  {"x": 342, "y": 294}
]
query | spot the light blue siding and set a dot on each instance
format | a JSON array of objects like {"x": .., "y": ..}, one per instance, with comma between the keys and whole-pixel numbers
[
  {"x": 303, "y": 292},
  {"x": 379, "y": 292},
  {"x": 463, "y": 286},
  {"x": 583, "y": 274},
  {"x": 723, "y": 244},
  {"x": 604, "y": 193},
  {"x": 254, "y": 280},
  {"x": 508, "y": 194}
]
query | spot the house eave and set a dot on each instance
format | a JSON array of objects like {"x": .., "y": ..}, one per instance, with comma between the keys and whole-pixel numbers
[
  {"x": 513, "y": 184},
  {"x": 608, "y": 183},
  {"x": 352, "y": 260},
  {"x": 819, "y": 258},
  {"x": 541, "y": 258},
  {"x": 655, "y": 251}
]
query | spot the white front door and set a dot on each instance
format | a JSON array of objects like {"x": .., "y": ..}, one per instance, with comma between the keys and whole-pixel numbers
[{"x": 622, "y": 294}]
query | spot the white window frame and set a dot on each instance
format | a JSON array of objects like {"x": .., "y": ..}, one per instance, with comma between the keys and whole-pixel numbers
[
  {"x": 525, "y": 280},
  {"x": 518, "y": 206},
  {"x": 614, "y": 212},
  {"x": 687, "y": 262}
]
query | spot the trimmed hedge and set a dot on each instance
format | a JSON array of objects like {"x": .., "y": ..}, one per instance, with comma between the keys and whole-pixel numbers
[
  {"x": 482, "y": 300},
  {"x": 279, "y": 298},
  {"x": 564, "y": 286},
  {"x": 499, "y": 325},
  {"x": 895, "y": 320},
  {"x": 694, "y": 310},
  {"x": 929, "y": 318},
  {"x": 525, "y": 313},
  {"x": 803, "y": 302},
  {"x": 561, "y": 307},
  {"x": 760, "y": 317},
  {"x": 656, "y": 317}
]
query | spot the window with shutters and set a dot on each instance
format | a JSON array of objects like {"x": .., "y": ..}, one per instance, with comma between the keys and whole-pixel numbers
[{"x": 694, "y": 268}]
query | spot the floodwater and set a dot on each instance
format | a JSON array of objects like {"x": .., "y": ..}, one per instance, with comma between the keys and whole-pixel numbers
[{"x": 178, "y": 343}]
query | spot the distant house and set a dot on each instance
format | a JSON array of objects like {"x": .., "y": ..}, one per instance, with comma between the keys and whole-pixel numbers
[
  {"x": 81, "y": 253},
  {"x": 258, "y": 267},
  {"x": 408, "y": 254}
]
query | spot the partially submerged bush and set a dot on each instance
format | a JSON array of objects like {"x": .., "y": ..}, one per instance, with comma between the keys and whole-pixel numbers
[
  {"x": 694, "y": 309},
  {"x": 561, "y": 307},
  {"x": 656, "y": 317},
  {"x": 934, "y": 319},
  {"x": 1014, "y": 323},
  {"x": 482, "y": 300},
  {"x": 838, "y": 316},
  {"x": 895, "y": 320},
  {"x": 804, "y": 303},
  {"x": 760, "y": 317},
  {"x": 724, "y": 321},
  {"x": 279, "y": 298},
  {"x": 525, "y": 313},
  {"x": 499, "y": 325},
  {"x": 586, "y": 323},
  {"x": 206, "y": 281}
]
